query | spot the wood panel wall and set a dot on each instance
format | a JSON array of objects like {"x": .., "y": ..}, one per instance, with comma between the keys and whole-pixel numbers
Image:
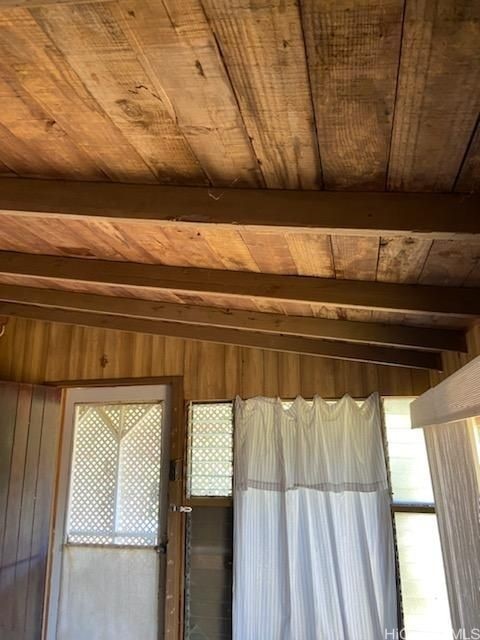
[
  {"x": 29, "y": 429},
  {"x": 34, "y": 351}
]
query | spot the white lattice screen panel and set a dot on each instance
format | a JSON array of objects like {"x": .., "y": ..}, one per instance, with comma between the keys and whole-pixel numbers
[
  {"x": 210, "y": 435},
  {"x": 115, "y": 477}
]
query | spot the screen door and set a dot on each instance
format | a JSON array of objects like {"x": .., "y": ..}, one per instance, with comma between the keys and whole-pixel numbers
[{"x": 110, "y": 578}]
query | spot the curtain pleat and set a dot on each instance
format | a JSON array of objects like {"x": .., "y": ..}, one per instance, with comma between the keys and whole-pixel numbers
[{"x": 313, "y": 549}]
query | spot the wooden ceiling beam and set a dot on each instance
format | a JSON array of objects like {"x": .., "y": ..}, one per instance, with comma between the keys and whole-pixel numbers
[
  {"x": 373, "y": 333},
  {"x": 429, "y": 215},
  {"x": 323, "y": 328},
  {"x": 278, "y": 342},
  {"x": 405, "y": 298}
]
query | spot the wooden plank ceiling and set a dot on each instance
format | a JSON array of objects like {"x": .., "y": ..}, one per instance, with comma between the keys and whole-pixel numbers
[{"x": 354, "y": 95}]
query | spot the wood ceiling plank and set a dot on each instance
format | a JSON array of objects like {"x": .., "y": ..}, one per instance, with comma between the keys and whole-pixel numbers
[
  {"x": 430, "y": 216},
  {"x": 312, "y": 254},
  {"x": 270, "y": 251},
  {"x": 32, "y": 142},
  {"x": 454, "y": 301},
  {"x": 290, "y": 344},
  {"x": 35, "y": 64},
  {"x": 449, "y": 262},
  {"x": 5, "y": 169},
  {"x": 189, "y": 244},
  {"x": 94, "y": 44},
  {"x": 469, "y": 178},
  {"x": 438, "y": 96},
  {"x": 229, "y": 246},
  {"x": 377, "y": 333},
  {"x": 353, "y": 51},
  {"x": 262, "y": 45},
  {"x": 355, "y": 258},
  {"x": 473, "y": 278},
  {"x": 173, "y": 38},
  {"x": 402, "y": 259}
]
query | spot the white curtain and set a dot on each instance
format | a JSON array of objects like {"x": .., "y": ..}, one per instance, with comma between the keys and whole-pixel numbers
[{"x": 313, "y": 549}]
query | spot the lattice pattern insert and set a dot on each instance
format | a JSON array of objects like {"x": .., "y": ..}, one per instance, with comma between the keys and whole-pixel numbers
[
  {"x": 210, "y": 440},
  {"x": 115, "y": 482}
]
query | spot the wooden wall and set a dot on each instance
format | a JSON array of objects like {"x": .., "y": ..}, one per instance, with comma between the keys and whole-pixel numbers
[
  {"x": 29, "y": 421},
  {"x": 34, "y": 351}
]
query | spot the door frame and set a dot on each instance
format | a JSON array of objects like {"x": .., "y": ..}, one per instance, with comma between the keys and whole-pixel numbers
[{"x": 175, "y": 554}]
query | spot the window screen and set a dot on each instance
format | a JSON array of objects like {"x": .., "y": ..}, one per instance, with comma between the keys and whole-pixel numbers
[
  {"x": 210, "y": 449},
  {"x": 422, "y": 576},
  {"x": 407, "y": 454},
  {"x": 115, "y": 476}
]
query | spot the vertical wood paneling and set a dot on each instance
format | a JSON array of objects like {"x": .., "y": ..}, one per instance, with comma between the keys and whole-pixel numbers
[
  {"x": 37, "y": 352},
  {"x": 42, "y": 514},
  {"x": 253, "y": 374},
  {"x": 28, "y": 449},
  {"x": 8, "y": 404},
  {"x": 14, "y": 508},
  {"x": 24, "y": 544},
  {"x": 288, "y": 375},
  {"x": 233, "y": 370}
]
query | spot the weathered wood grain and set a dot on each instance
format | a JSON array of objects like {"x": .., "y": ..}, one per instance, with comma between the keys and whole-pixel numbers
[
  {"x": 469, "y": 177},
  {"x": 353, "y": 50},
  {"x": 449, "y": 262},
  {"x": 174, "y": 40},
  {"x": 32, "y": 143},
  {"x": 99, "y": 51},
  {"x": 262, "y": 45},
  {"x": 40, "y": 75},
  {"x": 355, "y": 258},
  {"x": 438, "y": 96},
  {"x": 402, "y": 259}
]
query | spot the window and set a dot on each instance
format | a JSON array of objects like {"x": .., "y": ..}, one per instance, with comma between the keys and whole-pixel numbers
[
  {"x": 210, "y": 449},
  {"x": 115, "y": 476},
  {"x": 422, "y": 578}
]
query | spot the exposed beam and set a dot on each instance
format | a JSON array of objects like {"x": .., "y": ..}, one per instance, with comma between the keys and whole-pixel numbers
[
  {"x": 370, "y": 332},
  {"x": 454, "y": 301},
  {"x": 430, "y": 215},
  {"x": 278, "y": 342}
]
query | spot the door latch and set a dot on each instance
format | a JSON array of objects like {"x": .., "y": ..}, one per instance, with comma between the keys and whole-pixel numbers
[{"x": 180, "y": 508}]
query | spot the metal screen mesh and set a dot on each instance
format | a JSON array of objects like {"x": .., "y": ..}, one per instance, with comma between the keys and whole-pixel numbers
[
  {"x": 210, "y": 436},
  {"x": 115, "y": 478}
]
